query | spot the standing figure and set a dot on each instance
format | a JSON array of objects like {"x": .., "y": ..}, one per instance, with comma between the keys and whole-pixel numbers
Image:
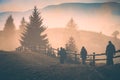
[
  {"x": 83, "y": 54},
  {"x": 62, "y": 54},
  {"x": 110, "y": 51}
]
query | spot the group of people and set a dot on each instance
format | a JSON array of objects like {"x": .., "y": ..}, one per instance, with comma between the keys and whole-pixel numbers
[
  {"x": 63, "y": 54},
  {"x": 110, "y": 52}
]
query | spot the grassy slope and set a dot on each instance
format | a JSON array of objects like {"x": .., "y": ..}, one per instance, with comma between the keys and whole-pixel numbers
[
  {"x": 110, "y": 72},
  {"x": 21, "y": 66},
  {"x": 34, "y": 66}
]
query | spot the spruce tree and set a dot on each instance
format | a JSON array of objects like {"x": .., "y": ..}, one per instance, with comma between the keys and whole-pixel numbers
[
  {"x": 33, "y": 37},
  {"x": 9, "y": 25},
  {"x": 71, "y": 46},
  {"x": 10, "y": 35},
  {"x": 71, "y": 25},
  {"x": 71, "y": 29},
  {"x": 22, "y": 25}
]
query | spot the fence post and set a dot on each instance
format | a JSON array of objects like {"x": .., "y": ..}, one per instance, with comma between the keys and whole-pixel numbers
[{"x": 93, "y": 58}]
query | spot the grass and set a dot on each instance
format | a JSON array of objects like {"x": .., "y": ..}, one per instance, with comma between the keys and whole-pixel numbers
[{"x": 35, "y": 66}]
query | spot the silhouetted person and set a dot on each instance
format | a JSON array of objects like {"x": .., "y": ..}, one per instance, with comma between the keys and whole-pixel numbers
[
  {"x": 110, "y": 51},
  {"x": 62, "y": 54},
  {"x": 83, "y": 54}
]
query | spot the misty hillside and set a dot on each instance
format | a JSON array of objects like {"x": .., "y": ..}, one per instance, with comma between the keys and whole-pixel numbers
[{"x": 93, "y": 41}]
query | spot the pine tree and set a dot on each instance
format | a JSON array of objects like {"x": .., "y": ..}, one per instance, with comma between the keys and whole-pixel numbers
[
  {"x": 10, "y": 35},
  {"x": 71, "y": 29},
  {"x": 22, "y": 26},
  {"x": 71, "y": 25},
  {"x": 9, "y": 25},
  {"x": 33, "y": 37},
  {"x": 71, "y": 46}
]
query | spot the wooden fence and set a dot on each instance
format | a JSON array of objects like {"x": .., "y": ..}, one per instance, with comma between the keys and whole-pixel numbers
[
  {"x": 94, "y": 55},
  {"x": 75, "y": 55}
]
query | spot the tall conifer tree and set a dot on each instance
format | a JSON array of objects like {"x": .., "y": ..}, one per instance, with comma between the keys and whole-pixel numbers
[
  {"x": 71, "y": 25},
  {"x": 33, "y": 37},
  {"x": 71, "y": 29},
  {"x": 71, "y": 46},
  {"x": 22, "y": 25},
  {"x": 9, "y": 25}
]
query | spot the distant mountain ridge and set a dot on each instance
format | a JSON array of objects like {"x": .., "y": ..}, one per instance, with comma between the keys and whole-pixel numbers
[
  {"x": 84, "y": 6},
  {"x": 54, "y": 14}
]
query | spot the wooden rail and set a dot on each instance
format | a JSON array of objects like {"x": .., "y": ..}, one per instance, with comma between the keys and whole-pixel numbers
[{"x": 94, "y": 56}]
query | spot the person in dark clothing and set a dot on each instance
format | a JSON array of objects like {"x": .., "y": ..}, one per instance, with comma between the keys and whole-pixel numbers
[
  {"x": 62, "y": 54},
  {"x": 110, "y": 51},
  {"x": 83, "y": 54}
]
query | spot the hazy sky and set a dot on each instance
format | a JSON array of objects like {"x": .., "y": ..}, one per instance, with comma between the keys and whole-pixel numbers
[{"x": 22, "y": 5}]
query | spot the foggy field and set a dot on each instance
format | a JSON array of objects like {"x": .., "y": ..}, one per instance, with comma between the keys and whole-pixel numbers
[{"x": 34, "y": 66}]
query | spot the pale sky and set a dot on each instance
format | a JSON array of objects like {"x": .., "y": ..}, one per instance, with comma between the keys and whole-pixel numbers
[{"x": 23, "y": 5}]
